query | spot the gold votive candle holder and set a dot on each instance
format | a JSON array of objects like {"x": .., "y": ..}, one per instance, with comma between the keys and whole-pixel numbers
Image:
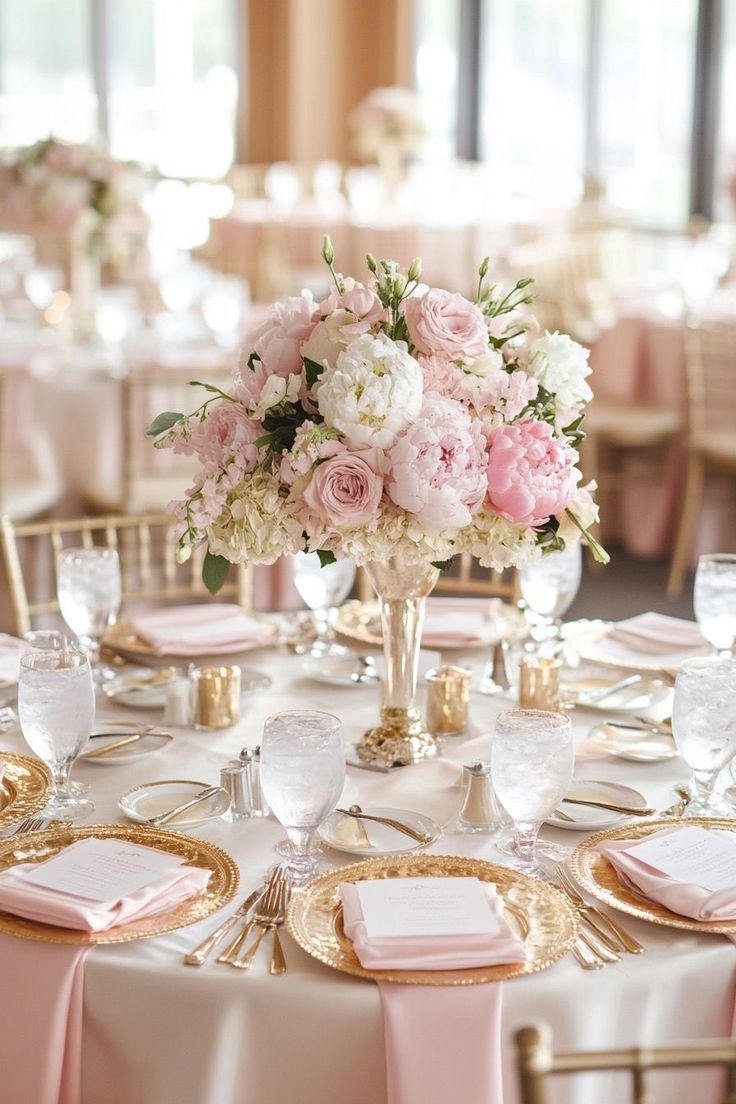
[
  {"x": 448, "y": 691},
  {"x": 539, "y": 682},
  {"x": 216, "y": 696}
]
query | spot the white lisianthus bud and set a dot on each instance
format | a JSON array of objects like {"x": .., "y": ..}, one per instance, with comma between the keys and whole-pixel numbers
[
  {"x": 183, "y": 552},
  {"x": 327, "y": 251}
]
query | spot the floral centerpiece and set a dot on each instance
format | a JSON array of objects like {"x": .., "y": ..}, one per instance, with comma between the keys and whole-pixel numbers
[
  {"x": 397, "y": 424},
  {"x": 81, "y": 190},
  {"x": 386, "y": 128}
]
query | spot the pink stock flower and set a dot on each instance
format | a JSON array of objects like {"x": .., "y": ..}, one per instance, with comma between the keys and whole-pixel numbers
[
  {"x": 438, "y": 466},
  {"x": 346, "y": 489},
  {"x": 499, "y": 394},
  {"x": 226, "y": 439},
  {"x": 530, "y": 472},
  {"x": 442, "y": 322}
]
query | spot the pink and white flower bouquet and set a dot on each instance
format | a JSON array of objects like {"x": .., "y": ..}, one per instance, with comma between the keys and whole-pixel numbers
[
  {"x": 388, "y": 116},
  {"x": 80, "y": 189},
  {"x": 390, "y": 419}
]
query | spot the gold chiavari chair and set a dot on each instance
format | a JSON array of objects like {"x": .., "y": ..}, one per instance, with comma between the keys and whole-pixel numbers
[
  {"x": 463, "y": 578},
  {"x": 710, "y": 354},
  {"x": 147, "y": 549},
  {"x": 536, "y": 1062}
]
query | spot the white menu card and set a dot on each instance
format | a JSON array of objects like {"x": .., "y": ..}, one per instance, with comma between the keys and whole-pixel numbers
[
  {"x": 103, "y": 869},
  {"x": 425, "y": 906},
  {"x": 693, "y": 855}
]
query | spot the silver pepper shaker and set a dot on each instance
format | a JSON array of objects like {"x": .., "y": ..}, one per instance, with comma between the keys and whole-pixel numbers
[
  {"x": 178, "y": 705},
  {"x": 258, "y": 804},
  {"x": 496, "y": 677},
  {"x": 234, "y": 778},
  {"x": 479, "y": 812}
]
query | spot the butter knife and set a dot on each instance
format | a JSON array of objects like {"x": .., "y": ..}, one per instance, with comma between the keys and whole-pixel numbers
[
  {"x": 198, "y": 956},
  {"x": 164, "y": 818}
]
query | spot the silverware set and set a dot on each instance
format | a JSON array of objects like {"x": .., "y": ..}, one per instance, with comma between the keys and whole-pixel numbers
[
  {"x": 267, "y": 908},
  {"x": 603, "y": 940}
]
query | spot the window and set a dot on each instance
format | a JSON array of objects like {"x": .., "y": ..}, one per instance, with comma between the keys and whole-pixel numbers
[
  {"x": 438, "y": 26},
  {"x": 157, "y": 77},
  {"x": 726, "y": 159}
]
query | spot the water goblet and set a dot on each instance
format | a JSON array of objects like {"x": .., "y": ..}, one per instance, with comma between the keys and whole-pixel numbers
[
  {"x": 531, "y": 767},
  {"x": 323, "y": 589},
  {"x": 47, "y": 640},
  {"x": 302, "y": 776},
  {"x": 56, "y": 709},
  {"x": 549, "y": 586},
  {"x": 714, "y": 599},
  {"x": 89, "y": 589},
  {"x": 704, "y": 728}
]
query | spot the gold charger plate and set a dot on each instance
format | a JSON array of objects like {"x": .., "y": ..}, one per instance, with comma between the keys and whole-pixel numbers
[
  {"x": 542, "y": 914},
  {"x": 38, "y": 846},
  {"x": 362, "y": 621},
  {"x": 24, "y": 789},
  {"x": 595, "y": 874},
  {"x": 121, "y": 640}
]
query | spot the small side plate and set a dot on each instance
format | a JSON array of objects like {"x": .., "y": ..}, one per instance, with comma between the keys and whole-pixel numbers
[
  {"x": 153, "y": 798},
  {"x": 125, "y": 689},
  {"x": 343, "y": 833},
  {"x": 148, "y": 744},
  {"x": 644, "y": 695},
  {"x": 639, "y": 746},
  {"x": 588, "y": 819}
]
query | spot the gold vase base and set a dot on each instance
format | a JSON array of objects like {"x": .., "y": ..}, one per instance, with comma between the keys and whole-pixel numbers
[{"x": 400, "y": 739}]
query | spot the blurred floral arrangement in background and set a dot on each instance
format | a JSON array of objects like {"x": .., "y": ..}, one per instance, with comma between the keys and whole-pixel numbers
[{"x": 387, "y": 119}]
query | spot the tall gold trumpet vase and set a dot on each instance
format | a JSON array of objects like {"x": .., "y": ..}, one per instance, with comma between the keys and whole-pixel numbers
[{"x": 402, "y": 590}]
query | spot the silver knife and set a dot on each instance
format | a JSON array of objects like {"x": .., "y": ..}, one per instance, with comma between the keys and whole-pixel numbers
[{"x": 164, "y": 818}]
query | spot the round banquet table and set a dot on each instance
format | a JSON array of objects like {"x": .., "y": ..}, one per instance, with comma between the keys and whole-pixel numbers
[{"x": 159, "y": 1032}]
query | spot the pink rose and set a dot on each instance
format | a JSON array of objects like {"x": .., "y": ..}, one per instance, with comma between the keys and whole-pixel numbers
[
  {"x": 277, "y": 341},
  {"x": 441, "y": 322},
  {"x": 346, "y": 489},
  {"x": 530, "y": 472},
  {"x": 438, "y": 466}
]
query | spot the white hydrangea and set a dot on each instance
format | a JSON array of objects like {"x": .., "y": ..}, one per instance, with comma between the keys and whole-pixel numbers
[
  {"x": 257, "y": 525},
  {"x": 561, "y": 365},
  {"x": 391, "y": 533},
  {"x": 497, "y": 543},
  {"x": 373, "y": 392}
]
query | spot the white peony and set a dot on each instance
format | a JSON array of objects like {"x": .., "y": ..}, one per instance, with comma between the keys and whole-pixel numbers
[
  {"x": 373, "y": 392},
  {"x": 561, "y": 365}
]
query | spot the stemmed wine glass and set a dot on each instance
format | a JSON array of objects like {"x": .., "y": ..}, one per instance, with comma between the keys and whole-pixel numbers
[
  {"x": 56, "y": 709},
  {"x": 323, "y": 589},
  {"x": 714, "y": 599},
  {"x": 549, "y": 586},
  {"x": 704, "y": 727},
  {"x": 302, "y": 776},
  {"x": 89, "y": 589},
  {"x": 531, "y": 766}
]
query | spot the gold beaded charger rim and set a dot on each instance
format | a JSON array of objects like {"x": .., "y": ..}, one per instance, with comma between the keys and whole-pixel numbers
[
  {"x": 540, "y": 913},
  {"x": 121, "y": 640},
  {"x": 594, "y": 873},
  {"x": 24, "y": 789},
  {"x": 38, "y": 846},
  {"x": 361, "y": 621}
]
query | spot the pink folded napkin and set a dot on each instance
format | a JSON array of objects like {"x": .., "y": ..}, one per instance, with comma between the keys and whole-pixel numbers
[
  {"x": 655, "y": 633},
  {"x": 456, "y": 622},
  {"x": 195, "y": 630},
  {"x": 683, "y": 897},
  {"x": 65, "y": 910},
  {"x": 443, "y": 1043}
]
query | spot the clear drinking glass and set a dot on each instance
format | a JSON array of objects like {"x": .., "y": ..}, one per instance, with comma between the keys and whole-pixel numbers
[
  {"x": 715, "y": 600},
  {"x": 549, "y": 586},
  {"x": 704, "y": 727},
  {"x": 302, "y": 776},
  {"x": 323, "y": 589},
  {"x": 56, "y": 709},
  {"x": 89, "y": 589},
  {"x": 47, "y": 640},
  {"x": 531, "y": 766}
]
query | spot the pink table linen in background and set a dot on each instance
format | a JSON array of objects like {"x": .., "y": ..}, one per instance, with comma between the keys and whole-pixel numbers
[
  {"x": 656, "y": 634},
  {"x": 443, "y": 1043}
]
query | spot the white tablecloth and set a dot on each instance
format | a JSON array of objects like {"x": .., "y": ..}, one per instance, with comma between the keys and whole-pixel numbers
[{"x": 159, "y": 1032}]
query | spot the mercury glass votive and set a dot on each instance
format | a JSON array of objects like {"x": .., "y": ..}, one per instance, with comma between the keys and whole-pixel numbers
[
  {"x": 448, "y": 690},
  {"x": 539, "y": 682},
  {"x": 216, "y": 696}
]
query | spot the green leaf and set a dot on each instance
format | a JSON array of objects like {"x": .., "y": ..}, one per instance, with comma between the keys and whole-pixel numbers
[
  {"x": 313, "y": 371},
  {"x": 214, "y": 572},
  {"x": 325, "y": 558},
  {"x": 163, "y": 422},
  {"x": 442, "y": 564}
]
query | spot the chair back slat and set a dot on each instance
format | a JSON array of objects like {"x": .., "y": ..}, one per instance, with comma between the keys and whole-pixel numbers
[
  {"x": 710, "y": 349},
  {"x": 147, "y": 549}
]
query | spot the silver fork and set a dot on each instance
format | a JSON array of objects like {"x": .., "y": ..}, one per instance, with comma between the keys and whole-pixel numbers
[
  {"x": 596, "y": 918},
  {"x": 29, "y": 824},
  {"x": 270, "y": 912}
]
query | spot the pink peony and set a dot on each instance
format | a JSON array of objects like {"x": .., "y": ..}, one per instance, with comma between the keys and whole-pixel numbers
[
  {"x": 346, "y": 489},
  {"x": 530, "y": 472},
  {"x": 226, "y": 439},
  {"x": 438, "y": 466},
  {"x": 277, "y": 341},
  {"x": 445, "y": 323}
]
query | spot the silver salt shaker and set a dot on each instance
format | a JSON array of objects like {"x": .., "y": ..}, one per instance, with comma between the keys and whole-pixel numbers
[
  {"x": 235, "y": 781},
  {"x": 253, "y": 761},
  {"x": 479, "y": 812}
]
